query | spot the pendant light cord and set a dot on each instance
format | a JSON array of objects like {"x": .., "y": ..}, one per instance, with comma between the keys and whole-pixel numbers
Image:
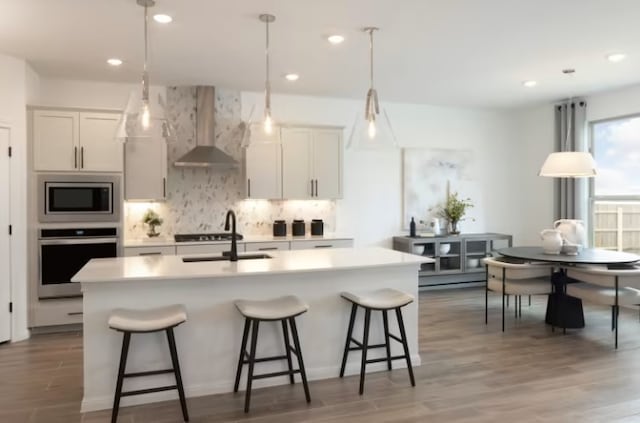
[
  {"x": 145, "y": 75},
  {"x": 267, "y": 83},
  {"x": 371, "y": 57}
]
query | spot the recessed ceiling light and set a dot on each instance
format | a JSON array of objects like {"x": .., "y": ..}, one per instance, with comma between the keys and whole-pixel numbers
[
  {"x": 616, "y": 57},
  {"x": 292, "y": 76},
  {"x": 163, "y": 19},
  {"x": 335, "y": 39},
  {"x": 114, "y": 62},
  {"x": 529, "y": 84}
]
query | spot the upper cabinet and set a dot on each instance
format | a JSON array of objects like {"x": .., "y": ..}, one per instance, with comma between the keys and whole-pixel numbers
[
  {"x": 145, "y": 169},
  {"x": 311, "y": 163},
  {"x": 76, "y": 141},
  {"x": 263, "y": 169}
]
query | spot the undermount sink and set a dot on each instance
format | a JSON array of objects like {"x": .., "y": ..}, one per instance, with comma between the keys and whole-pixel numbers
[{"x": 225, "y": 258}]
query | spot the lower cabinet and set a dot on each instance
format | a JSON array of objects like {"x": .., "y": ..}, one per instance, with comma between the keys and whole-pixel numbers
[
  {"x": 329, "y": 243},
  {"x": 205, "y": 248},
  {"x": 150, "y": 251},
  {"x": 55, "y": 312},
  {"x": 266, "y": 246}
]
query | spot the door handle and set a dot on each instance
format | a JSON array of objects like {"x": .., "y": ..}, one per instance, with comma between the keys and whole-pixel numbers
[
  {"x": 316, "y": 188},
  {"x": 82, "y": 157},
  {"x": 312, "y": 187},
  {"x": 75, "y": 157},
  {"x": 267, "y": 248},
  {"x": 248, "y": 187},
  {"x": 164, "y": 187},
  {"x": 323, "y": 246},
  {"x": 75, "y": 313},
  {"x": 151, "y": 253}
]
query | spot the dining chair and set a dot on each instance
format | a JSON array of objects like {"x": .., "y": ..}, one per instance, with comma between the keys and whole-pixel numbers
[
  {"x": 510, "y": 277},
  {"x": 611, "y": 287}
]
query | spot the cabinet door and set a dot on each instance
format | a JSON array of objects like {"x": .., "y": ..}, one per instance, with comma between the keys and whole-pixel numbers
[
  {"x": 263, "y": 171},
  {"x": 160, "y": 250},
  {"x": 99, "y": 148},
  {"x": 206, "y": 248},
  {"x": 328, "y": 243},
  {"x": 327, "y": 163},
  {"x": 296, "y": 163},
  {"x": 145, "y": 172},
  {"x": 266, "y": 246},
  {"x": 55, "y": 140}
]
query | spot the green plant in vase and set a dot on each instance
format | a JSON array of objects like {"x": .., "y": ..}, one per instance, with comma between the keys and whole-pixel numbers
[
  {"x": 152, "y": 219},
  {"x": 454, "y": 210}
]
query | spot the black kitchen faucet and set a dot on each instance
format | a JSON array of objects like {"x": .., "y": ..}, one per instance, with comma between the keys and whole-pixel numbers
[{"x": 233, "y": 254}]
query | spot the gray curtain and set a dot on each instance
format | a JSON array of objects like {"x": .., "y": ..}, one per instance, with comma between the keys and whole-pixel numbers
[{"x": 571, "y": 194}]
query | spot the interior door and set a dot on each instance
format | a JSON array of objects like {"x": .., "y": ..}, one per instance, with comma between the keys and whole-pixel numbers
[
  {"x": 99, "y": 149},
  {"x": 296, "y": 163},
  {"x": 5, "y": 251},
  {"x": 264, "y": 172},
  {"x": 327, "y": 166}
]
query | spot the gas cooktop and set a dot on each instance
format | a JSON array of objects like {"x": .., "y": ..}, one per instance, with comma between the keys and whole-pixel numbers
[{"x": 222, "y": 236}]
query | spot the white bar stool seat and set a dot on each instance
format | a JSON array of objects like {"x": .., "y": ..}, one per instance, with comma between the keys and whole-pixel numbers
[
  {"x": 151, "y": 320},
  {"x": 381, "y": 299},
  {"x": 272, "y": 309}
]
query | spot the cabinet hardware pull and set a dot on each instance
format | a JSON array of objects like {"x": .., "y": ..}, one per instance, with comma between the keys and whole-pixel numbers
[
  {"x": 75, "y": 313},
  {"x": 164, "y": 187},
  {"x": 151, "y": 253},
  {"x": 312, "y": 187},
  {"x": 82, "y": 157},
  {"x": 75, "y": 157},
  {"x": 267, "y": 248},
  {"x": 248, "y": 187},
  {"x": 323, "y": 246},
  {"x": 316, "y": 188}
]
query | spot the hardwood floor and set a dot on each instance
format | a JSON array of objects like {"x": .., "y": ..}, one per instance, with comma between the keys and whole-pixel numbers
[{"x": 470, "y": 373}]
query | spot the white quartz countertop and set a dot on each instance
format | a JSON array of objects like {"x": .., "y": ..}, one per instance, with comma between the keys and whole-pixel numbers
[
  {"x": 123, "y": 269},
  {"x": 161, "y": 242}
]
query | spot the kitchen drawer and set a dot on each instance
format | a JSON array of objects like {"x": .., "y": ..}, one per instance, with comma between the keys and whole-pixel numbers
[
  {"x": 166, "y": 250},
  {"x": 266, "y": 246},
  {"x": 66, "y": 311},
  {"x": 206, "y": 248},
  {"x": 321, "y": 243}
]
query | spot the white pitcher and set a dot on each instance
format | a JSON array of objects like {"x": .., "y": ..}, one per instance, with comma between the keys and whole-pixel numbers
[
  {"x": 572, "y": 231},
  {"x": 551, "y": 241}
]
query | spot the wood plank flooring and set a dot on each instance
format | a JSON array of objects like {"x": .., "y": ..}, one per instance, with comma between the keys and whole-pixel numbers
[{"x": 470, "y": 373}]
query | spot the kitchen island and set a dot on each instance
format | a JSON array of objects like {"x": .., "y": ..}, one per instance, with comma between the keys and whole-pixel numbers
[{"x": 208, "y": 343}]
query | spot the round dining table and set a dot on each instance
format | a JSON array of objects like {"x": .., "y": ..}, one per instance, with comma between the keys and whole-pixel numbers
[{"x": 562, "y": 310}]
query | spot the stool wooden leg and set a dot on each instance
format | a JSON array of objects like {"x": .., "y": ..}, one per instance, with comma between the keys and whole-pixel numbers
[
  {"x": 296, "y": 343},
  {"x": 243, "y": 349},
  {"x": 365, "y": 344},
  {"x": 176, "y": 371},
  {"x": 385, "y": 322},
  {"x": 121, "y": 370},
  {"x": 252, "y": 360},
  {"x": 287, "y": 346},
  {"x": 403, "y": 335},
  {"x": 354, "y": 309}
]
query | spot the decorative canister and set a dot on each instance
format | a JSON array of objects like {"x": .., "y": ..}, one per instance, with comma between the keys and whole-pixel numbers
[
  {"x": 317, "y": 227},
  {"x": 298, "y": 228},
  {"x": 279, "y": 228}
]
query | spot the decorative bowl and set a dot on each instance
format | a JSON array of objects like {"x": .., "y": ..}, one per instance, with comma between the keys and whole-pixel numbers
[
  {"x": 444, "y": 249},
  {"x": 473, "y": 262}
]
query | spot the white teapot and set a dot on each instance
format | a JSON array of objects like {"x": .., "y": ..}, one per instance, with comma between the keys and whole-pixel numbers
[
  {"x": 551, "y": 241},
  {"x": 572, "y": 231}
]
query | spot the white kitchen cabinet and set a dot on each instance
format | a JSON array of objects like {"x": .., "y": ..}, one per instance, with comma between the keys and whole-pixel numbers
[
  {"x": 266, "y": 246},
  {"x": 145, "y": 170},
  {"x": 56, "y": 139},
  {"x": 321, "y": 243},
  {"x": 99, "y": 149},
  {"x": 311, "y": 163},
  {"x": 263, "y": 170},
  {"x": 157, "y": 250},
  {"x": 76, "y": 141},
  {"x": 206, "y": 248}
]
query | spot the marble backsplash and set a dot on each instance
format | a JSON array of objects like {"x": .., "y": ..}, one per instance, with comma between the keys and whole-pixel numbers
[{"x": 198, "y": 198}]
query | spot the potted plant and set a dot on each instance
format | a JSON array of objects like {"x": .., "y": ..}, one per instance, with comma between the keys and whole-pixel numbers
[
  {"x": 152, "y": 219},
  {"x": 454, "y": 210}
]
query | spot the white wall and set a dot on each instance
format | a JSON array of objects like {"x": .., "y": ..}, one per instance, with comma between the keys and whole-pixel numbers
[
  {"x": 13, "y": 86},
  {"x": 372, "y": 206}
]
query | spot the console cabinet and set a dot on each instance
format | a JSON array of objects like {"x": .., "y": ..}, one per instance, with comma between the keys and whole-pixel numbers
[{"x": 458, "y": 259}]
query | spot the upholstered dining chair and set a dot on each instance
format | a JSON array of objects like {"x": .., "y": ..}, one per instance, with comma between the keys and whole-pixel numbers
[
  {"x": 509, "y": 277},
  {"x": 611, "y": 287}
]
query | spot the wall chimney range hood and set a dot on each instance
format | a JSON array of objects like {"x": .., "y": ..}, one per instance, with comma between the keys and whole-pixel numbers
[{"x": 205, "y": 153}]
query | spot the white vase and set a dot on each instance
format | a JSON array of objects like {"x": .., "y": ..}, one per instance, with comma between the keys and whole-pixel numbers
[
  {"x": 551, "y": 241},
  {"x": 572, "y": 231}
]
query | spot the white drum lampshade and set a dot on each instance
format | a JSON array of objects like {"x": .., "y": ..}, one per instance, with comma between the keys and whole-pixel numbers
[{"x": 569, "y": 164}]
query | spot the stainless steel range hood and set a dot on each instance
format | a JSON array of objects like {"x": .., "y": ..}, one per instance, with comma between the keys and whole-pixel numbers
[{"x": 205, "y": 153}]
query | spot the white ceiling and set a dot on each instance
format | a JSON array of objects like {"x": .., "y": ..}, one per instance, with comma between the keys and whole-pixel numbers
[{"x": 454, "y": 52}]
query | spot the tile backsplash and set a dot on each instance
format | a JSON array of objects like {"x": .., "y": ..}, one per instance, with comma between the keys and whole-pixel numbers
[{"x": 198, "y": 198}]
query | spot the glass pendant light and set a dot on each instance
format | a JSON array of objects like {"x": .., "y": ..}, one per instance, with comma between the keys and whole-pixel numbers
[
  {"x": 372, "y": 131},
  {"x": 137, "y": 121},
  {"x": 267, "y": 123}
]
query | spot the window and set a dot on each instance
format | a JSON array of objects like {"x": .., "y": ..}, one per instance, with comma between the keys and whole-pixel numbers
[{"x": 615, "y": 191}]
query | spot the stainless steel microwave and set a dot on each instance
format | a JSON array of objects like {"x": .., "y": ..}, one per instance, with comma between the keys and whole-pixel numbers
[{"x": 78, "y": 198}]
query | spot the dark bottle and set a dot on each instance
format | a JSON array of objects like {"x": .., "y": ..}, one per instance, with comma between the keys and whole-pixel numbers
[{"x": 412, "y": 228}]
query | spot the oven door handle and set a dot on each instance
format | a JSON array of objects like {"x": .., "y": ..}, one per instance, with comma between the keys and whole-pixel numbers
[{"x": 78, "y": 241}]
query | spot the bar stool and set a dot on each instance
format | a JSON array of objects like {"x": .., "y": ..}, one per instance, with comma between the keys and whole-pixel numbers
[
  {"x": 284, "y": 309},
  {"x": 147, "y": 321},
  {"x": 383, "y": 300}
]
